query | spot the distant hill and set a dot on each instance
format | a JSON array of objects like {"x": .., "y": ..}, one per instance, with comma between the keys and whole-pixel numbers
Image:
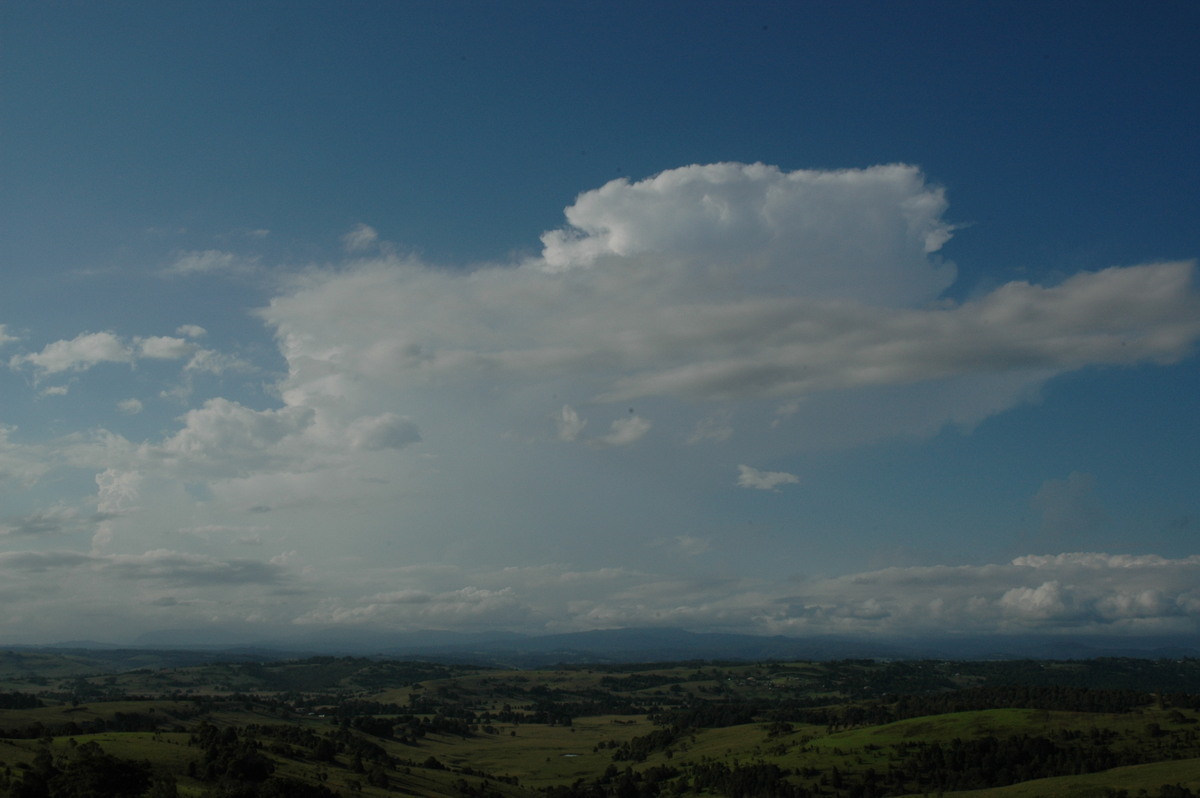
[{"x": 618, "y": 646}]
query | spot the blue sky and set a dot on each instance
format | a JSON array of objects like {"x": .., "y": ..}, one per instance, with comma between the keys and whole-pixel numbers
[{"x": 863, "y": 318}]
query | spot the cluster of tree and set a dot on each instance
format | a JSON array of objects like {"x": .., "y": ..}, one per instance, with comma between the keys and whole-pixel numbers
[
  {"x": 234, "y": 766},
  {"x": 15, "y": 700},
  {"x": 86, "y": 771}
]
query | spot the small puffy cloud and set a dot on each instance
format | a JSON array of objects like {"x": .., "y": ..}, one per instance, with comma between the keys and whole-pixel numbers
[
  {"x": 78, "y": 354},
  {"x": 161, "y": 347},
  {"x": 764, "y": 480},
  {"x": 715, "y": 429},
  {"x": 209, "y": 261},
  {"x": 568, "y": 424},
  {"x": 5, "y": 338},
  {"x": 210, "y": 361},
  {"x": 191, "y": 330},
  {"x": 623, "y": 432},
  {"x": 130, "y": 407},
  {"x": 361, "y": 238}
]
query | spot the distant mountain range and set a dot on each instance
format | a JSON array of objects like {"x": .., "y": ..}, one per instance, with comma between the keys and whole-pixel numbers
[{"x": 611, "y": 646}]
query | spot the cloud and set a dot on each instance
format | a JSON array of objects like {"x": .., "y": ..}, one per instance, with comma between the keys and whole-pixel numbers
[
  {"x": 385, "y": 431},
  {"x": 91, "y": 349},
  {"x": 130, "y": 407},
  {"x": 5, "y": 338},
  {"x": 161, "y": 347},
  {"x": 42, "y": 561},
  {"x": 78, "y": 354},
  {"x": 623, "y": 432},
  {"x": 159, "y": 565},
  {"x": 51, "y": 521},
  {"x": 210, "y": 361},
  {"x": 824, "y": 300},
  {"x": 361, "y": 238},
  {"x": 707, "y": 316},
  {"x": 861, "y": 234},
  {"x": 210, "y": 261},
  {"x": 764, "y": 480},
  {"x": 21, "y": 462},
  {"x": 568, "y": 424},
  {"x": 180, "y": 568}
]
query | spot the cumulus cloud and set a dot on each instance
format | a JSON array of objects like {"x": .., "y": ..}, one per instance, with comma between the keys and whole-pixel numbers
[
  {"x": 744, "y": 312},
  {"x": 87, "y": 350},
  {"x": 1086, "y": 592},
  {"x": 78, "y": 354},
  {"x": 860, "y": 234},
  {"x": 161, "y": 347},
  {"x": 829, "y": 284},
  {"x": 764, "y": 480},
  {"x": 130, "y": 407}
]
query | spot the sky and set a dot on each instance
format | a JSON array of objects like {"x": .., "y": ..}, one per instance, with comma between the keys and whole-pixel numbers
[{"x": 871, "y": 319}]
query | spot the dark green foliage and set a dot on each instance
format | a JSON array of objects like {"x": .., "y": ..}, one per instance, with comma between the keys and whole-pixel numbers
[{"x": 87, "y": 772}]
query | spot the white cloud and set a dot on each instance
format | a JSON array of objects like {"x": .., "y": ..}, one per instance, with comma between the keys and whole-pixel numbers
[
  {"x": 361, "y": 238},
  {"x": 210, "y": 361},
  {"x": 716, "y": 429},
  {"x": 210, "y": 261},
  {"x": 861, "y": 234},
  {"x": 753, "y": 314},
  {"x": 764, "y": 480},
  {"x": 161, "y": 347},
  {"x": 78, "y": 354},
  {"x": 623, "y": 432},
  {"x": 569, "y": 424},
  {"x": 5, "y": 338},
  {"x": 130, "y": 407}
]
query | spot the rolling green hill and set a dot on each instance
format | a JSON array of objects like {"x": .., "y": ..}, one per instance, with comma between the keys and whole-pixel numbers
[{"x": 354, "y": 726}]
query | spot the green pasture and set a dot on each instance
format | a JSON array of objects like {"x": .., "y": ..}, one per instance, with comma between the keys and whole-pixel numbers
[{"x": 1184, "y": 772}]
